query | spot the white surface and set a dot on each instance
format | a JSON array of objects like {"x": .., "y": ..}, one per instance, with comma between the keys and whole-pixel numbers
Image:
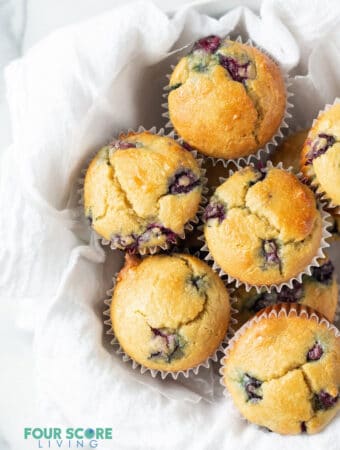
[{"x": 67, "y": 96}]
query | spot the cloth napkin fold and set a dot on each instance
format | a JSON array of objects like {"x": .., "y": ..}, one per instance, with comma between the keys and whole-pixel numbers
[{"x": 68, "y": 96}]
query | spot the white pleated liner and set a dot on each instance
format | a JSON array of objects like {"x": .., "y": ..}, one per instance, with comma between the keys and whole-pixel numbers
[
  {"x": 162, "y": 373},
  {"x": 277, "y": 137},
  {"x": 188, "y": 226},
  {"x": 307, "y": 271},
  {"x": 313, "y": 183},
  {"x": 293, "y": 308}
]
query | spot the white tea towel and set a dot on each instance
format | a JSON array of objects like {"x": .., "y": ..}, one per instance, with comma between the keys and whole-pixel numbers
[{"x": 70, "y": 94}]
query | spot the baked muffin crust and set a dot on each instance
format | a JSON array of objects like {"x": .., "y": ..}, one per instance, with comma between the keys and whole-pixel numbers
[
  {"x": 284, "y": 372},
  {"x": 226, "y": 99},
  {"x": 141, "y": 190},
  {"x": 320, "y": 157},
  {"x": 169, "y": 312},
  {"x": 262, "y": 227}
]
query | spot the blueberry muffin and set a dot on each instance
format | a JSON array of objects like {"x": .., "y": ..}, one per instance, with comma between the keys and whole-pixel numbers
[
  {"x": 169, "y": 312},
  {"x": 283, "y": 372},
  {"x": 226, "y": 99},
  {"x": 262, "y": 227},
  {"x": 318, "y": 290},
  {"x": 141, "y": 190},
  {"x": 320, "y": 160},
  {"x": 289, "y": 151}
]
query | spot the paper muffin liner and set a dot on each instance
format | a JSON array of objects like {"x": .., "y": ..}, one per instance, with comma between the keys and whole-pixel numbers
[
  {"x": 163, "y": 373},
  {"x": 307, "y": 271},
  {"x": 313, "y": 183},
  {"x": 261, "y": 153},
  {"x": 189, "y": 226},
  {"x": 279, "y": 310}
]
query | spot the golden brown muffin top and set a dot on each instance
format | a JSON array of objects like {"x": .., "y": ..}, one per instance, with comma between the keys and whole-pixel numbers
[
  {"x": 320, "y": 157},
  {"x": 141, "y": 190},
  {"x": 284, "y": 372},
  {"x": 262, "y": 226},
  {"x": 169, "y": 312},
  {"x": 226, "y": 99}
]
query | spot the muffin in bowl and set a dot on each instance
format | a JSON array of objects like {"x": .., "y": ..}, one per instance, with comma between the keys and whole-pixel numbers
[
  {"x": 141, "y": 190},
  {"x": 226, "y": 99},
  {"x": 282, "y": 369},
  {"x": 169, "y": 312},
  {"x": 320, "y": 156}
]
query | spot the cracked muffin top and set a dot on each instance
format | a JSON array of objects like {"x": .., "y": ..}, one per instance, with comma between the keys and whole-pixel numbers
[
  {"x": 262, "y": 227},
  {"x": 318, "y": 290},
  {"x": 283, "y": 373},
  {"x": 225, "y": 98},
  {"x": 320, "y": 161},
  {"x": 289, "y": 151},
  {"x": 169, "y": 313},
  {"x": 141, "y": 190}
]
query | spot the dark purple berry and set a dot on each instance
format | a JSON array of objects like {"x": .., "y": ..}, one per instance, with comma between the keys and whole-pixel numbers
[
  {"x": 323, "y": 401},
  {"x": 184, "y": 182},
  {"x": 131, "y": 242},
  {"x": 237, "y": 71},
  {"x": 287, "y": 295},
  {"x": 187, "y": 146},
  {"x": 291, "y": 295},
  {"x": 270, "y": 252},
  {"x": 320, "y": 146},
  {"x": 156, "y": 230},
  {"x": 265, "y": 299},
  {"x": 324, "y": 273},
  {"x": 214, "y": 210},
  {"x": 123, "y": 145},
  {"x": 315, "y": 352},
  {"x": 251, "y": 386},
  {"x": 169, "y": 344},
  {"x": 209, "y": 44}
]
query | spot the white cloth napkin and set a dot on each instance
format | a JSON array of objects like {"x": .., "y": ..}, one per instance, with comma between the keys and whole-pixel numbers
[{"x": 70, "y": 94}]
